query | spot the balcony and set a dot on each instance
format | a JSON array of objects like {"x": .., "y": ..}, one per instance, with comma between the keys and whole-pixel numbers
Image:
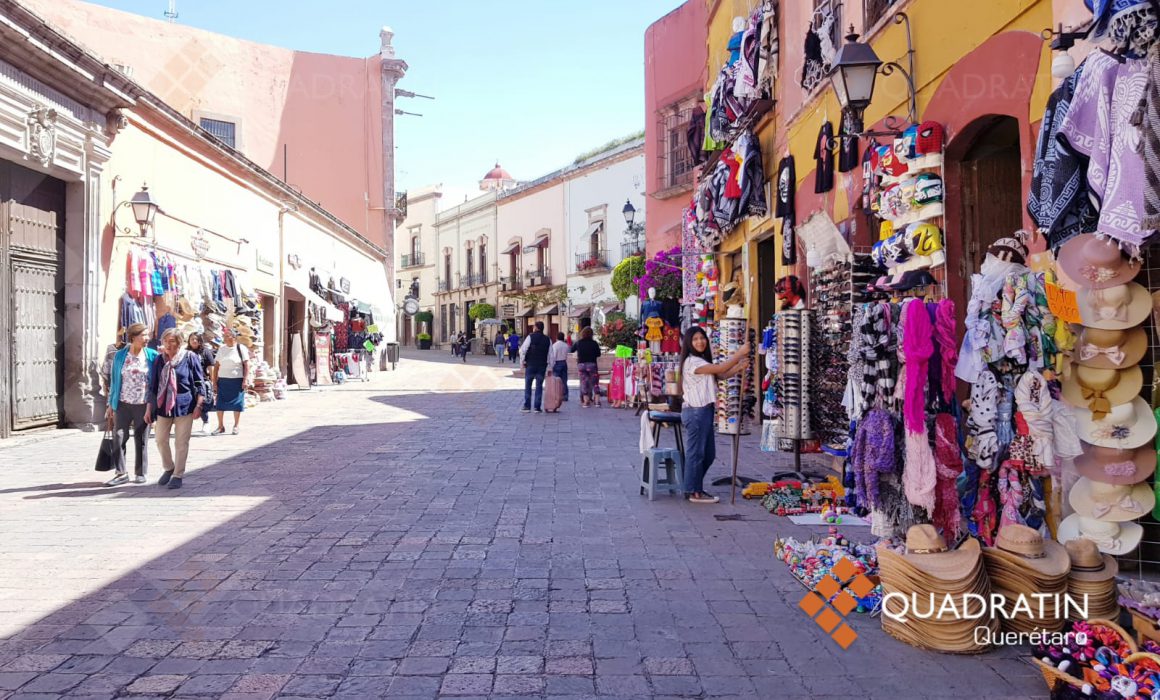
[
  {"x": 474, "y": 280},
  {"x": 444, "y": 286},
  {"x": 592, "y": 261},
  {"x": 539, "y": 277},
  {"x": 631, "y": 247},
  {"x": 412, "y": 260},
  {"x": 511, "y": 284}
]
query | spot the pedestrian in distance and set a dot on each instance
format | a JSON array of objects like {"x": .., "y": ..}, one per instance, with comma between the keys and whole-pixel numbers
[
  {"x": 699, "y": 387},
  {"x": 501, "y": 344},
  {"x": 128, "y": 404},
  {"x": 587, "y": 353},
  {"x": 176, "y": 400},
  {"x": 231, "y": 366},
  {"x": 513, "y": 343},
  {"x": 558, "y": 361},
  {"x": 197, "y": 345},
  {"x": 534, "y": 359}
]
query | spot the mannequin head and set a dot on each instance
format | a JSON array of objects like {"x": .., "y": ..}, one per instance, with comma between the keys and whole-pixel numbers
[{"x": 652, "y": 293}]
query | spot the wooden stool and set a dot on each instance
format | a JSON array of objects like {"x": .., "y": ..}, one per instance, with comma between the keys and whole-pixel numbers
[{"x": 657, "y": 460}]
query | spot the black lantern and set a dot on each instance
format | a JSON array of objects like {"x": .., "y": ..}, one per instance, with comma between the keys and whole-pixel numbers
[
  {"x": 144, "y": 208},
  {"x": 854, "y": 71},
  {"x": 629, "y": 212}
]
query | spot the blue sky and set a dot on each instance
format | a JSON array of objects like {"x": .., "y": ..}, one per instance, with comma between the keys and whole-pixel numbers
[{"x": 529, "y": 83}]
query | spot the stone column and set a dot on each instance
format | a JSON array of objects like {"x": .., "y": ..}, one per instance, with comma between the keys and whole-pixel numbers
[{"x": 393, "y": 70}]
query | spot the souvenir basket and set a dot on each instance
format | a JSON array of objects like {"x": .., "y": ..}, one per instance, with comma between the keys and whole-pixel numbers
[{"x": 1056, "y": 678}]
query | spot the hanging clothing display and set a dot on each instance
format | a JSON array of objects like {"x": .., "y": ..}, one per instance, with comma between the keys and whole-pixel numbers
[
  {"x": 824, "y": 159},
  {"x": 784, "y": 209},
  {"x": 734, "y": 190}
]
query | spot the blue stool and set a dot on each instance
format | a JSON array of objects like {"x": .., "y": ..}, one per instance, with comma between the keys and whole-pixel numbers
[{"x": 660, "y": 460}]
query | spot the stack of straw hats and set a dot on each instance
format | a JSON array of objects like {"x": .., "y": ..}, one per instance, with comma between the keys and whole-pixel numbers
[
  {"x": 1021, "y": 565},
  {"x": 930, "y": 571},
  {"x": 1092, "y": 578}
]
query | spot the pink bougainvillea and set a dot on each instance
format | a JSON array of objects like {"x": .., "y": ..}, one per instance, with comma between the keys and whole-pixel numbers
[{"x": 663, "y": 273}]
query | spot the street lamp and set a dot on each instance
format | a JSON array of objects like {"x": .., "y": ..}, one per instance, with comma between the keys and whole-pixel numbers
[
  {"x": 629, "y": 212},
  {"x": 855, "y": 70},
  {"x": 144, "y": 208}
]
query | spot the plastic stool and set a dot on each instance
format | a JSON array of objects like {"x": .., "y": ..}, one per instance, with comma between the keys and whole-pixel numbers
[{"x": 659, "y": 460}]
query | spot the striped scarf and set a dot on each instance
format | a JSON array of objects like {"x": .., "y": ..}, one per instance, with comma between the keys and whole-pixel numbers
[{"x": 167, "y": 382}]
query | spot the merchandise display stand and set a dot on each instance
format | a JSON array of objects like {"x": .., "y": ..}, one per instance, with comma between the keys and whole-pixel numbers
[{"x": 730, "y": 335}]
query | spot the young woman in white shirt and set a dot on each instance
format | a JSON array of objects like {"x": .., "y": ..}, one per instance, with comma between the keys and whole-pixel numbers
[{"x": 699, "y": 385}]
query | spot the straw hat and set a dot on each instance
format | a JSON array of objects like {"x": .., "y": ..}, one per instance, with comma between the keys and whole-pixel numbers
[
  {"x": 1110, "y": 349},
  {"x": 1111, "y": 538},
  {"x": 182, "y": 310},
  {"x": 1087, "y": 564},
  {"x": 1127, "y": 427},
  {"x": 1096, "y": 263},
  {"x": 1026, "y": 549},
  {"x": 1114, "y": 466},
  {"x": 1100, "y": 389},
  {"x": 1114, "y": 308},
  {"x": 1115, "y": 503},
  {"x": 927, "y": 551}
]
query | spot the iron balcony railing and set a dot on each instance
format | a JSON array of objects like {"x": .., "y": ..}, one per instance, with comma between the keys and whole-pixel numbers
[
  {"x": 474, "y": 280},
  {"x": 630, "y": 248},
  {"x": 444, "y": 286},
  {"x": 413, "y": 260},
  {"x": 540, "y": 272},
  {"x": 511, "y": 284},
  {"x": 592, "y": 260}
]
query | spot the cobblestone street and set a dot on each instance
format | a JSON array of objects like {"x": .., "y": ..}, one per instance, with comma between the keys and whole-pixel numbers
[{"x": 416, "y": 536}]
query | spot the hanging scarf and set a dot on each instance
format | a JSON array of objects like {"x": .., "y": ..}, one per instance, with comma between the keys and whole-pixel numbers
[
  {"x": 1015, "y": 301},
  {"x": 944, "y": 332},
  {"x": 1010, "y": 495},
  {"x": 1150, "y": 143},
  {"x": 949, "y": 465},
  {"x": 167, "y": 382},
  {"x": 982, "y": 443},
  {"x": 985, "y": 514},
  {"x": 873, "y": 455},
  {"x": 1036, "y": 407},
  {"x": 920, "y": 477}
]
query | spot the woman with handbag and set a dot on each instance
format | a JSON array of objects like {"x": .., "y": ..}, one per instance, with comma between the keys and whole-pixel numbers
[
  {"x": 230, "y": 368},
  {"x": 176, "y": 399},
  {"x": 197, "y": 345},
  {"x": 128, "y": 405}
]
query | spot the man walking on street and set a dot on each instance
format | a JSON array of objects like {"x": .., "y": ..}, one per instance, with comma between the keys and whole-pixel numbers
[{"x": 534, "y": 352}]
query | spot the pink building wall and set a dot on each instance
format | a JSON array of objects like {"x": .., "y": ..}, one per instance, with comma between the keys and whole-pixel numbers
[
  {"x": 675, "y": 56},
  {"x": 325, "y": 110}
]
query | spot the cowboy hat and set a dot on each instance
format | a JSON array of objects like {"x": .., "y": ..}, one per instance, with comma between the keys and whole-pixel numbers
[
  {"x": 1098, "y": 390},
  {"x": 182, "y": 310},
  {"x": 1115, "y": 503},
  {"x": 1096, "y": 263},
  {"x": 1114, "y": 308},
  {"x": 927, "y": 551},
  {"x": 1112, "y": 538},
  {"x": 1114, "y": 466},
  {"x": 1127, "y": 427},
  {"x": 1026, "y": 548},
  {"x": 1087, "y": 564},
  {"x": 896, "y": 571},
  {"x": 1110, "y": 349}
]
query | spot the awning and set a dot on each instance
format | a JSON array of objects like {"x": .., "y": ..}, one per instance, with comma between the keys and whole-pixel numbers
[
  {"x": 611, "y": 306},
  {"x": 550, "y": 311},
  {"x": 510, "y": 249},
  {"x": 360, "y": 307},
  {"x": 541, "y": 242},
  {"x": 333, "y": 313},
  {"x": 580, "y": 312},
  {"x": 594, "y": 227},
  {"x": 527, "y": 314}
]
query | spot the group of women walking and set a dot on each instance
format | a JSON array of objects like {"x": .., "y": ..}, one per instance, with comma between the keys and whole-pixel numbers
[{"x": 170, "y": 389}]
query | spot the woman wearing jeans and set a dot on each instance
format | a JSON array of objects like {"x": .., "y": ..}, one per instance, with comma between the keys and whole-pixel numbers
[
  {"x": 587, "y": 353},
  {"x": 698, "y": 381},
  {"x": 176, "y": 398},
  {"x": 128, "y": 392}
]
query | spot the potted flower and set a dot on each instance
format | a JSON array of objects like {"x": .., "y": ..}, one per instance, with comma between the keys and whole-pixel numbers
[{"x": 424, "y": 341}]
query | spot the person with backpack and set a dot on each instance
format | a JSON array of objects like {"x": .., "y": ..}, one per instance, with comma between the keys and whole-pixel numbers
[{"x": 534, "y": 354}]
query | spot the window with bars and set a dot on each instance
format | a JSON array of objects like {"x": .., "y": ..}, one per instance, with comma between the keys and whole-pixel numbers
[
  {"x": 483, "y": 263},
  {"x": 443, "y": 323},
  {"x": 222, "y": 130},
  {"x": 875, "y": 10},
  {"x": 678, "y": 162}
]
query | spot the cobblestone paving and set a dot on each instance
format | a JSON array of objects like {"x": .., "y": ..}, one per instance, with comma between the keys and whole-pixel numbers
[{"x": 383, "y": 540}]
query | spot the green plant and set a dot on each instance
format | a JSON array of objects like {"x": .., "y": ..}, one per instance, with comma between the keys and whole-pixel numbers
[
  {"x": 624, "y": 276},
  {"x": 481, "y": 312},
  {"x": 619, "y": 331},
  {"x": 423, "y": 336},
  {"x": 425, "y": 317},
  {"x": 555, "y": 295}
]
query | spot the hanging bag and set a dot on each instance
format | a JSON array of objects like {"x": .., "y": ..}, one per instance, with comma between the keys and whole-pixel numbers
[{"x": 109, "y": 453}]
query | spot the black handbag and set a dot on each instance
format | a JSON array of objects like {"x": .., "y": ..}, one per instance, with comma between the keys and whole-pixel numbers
[{"x": 107, "y": 458}]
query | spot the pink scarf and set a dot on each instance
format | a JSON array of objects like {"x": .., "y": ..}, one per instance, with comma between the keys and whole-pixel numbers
[
  {"x": 919, "y": 476},
  {"x": 944, "y": 331},
  {"x": 949, "y": 465},
  {"x": 918, "y": 343},
  {"x": 167, "y": 382}
]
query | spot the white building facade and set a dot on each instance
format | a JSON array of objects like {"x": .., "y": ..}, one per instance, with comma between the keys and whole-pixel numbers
[{"x": 416, "y": 253}]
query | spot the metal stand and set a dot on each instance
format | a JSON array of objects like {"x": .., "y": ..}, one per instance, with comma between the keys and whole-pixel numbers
[{"x": 734, "y": 480}]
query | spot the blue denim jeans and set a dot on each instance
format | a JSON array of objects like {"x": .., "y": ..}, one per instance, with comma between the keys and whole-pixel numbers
[
  {"x": 560, "y": 369},
  {"x": 700, "y": 446},
  {"x": 535, "y": 374}
]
